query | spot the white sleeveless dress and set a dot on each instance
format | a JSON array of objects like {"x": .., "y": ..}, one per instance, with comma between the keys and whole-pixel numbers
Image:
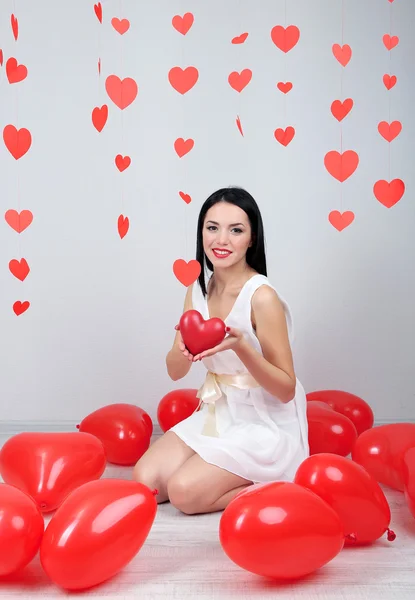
[{"x": 260, "y": 438}]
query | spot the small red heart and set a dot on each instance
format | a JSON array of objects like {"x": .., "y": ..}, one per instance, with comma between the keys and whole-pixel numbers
[
  {"x": 99, "y": 66},
  {"x": 15, "y": 72},
  {"x": 183, "y": 24},
  {"x": 15, "y": 26},
  {"x": 182, "y": 80},
  {"x": 342, "y": 53},
  {"x": 285, "y": 38},
  {"x": 199, "y": 335},
  {"x": 390, "y": 42},
  {"x": 182, "y": 146},
  {"x": 122, "y": 162},
  {"x": 341, "y": 165},
  {"x": 389, "y": 193},
  {"x": 99, "y": 117},
  {"x": 239, "y": 125},
  {"x": 390, "y": 131},
  {"x": 19, "y": 269},
  {"x": 186, "y": 273},
  {"x": 341, "y": 220},
  {"x": 238, "y": 81},
  {"x": 122, "y": 92},
  {"x": 17, "y": 141},
  {"x": 340, "y": 110},
  {"x": 98, "y": 11},
  {"x": 240, "y": 38},
  {"x": 185, "y": 197},
  {"x": 20, "y": 307},
  {"x": 18, "y": 221},
  {"x": 284, "y": 136},
  {"x": 122, "y": 26},
  {"x": 389, "y": 81},
  {"x": 123, "y": 225},
  {"x": 285, "y": 87}
]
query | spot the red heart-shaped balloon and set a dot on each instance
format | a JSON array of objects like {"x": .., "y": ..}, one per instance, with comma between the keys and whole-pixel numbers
[
  {"x": 199, "y": 335},
  {"x": 328, "y": 430},
  {"x": 349, "y": 405},
  {"x": 48, "y": 466},
  {"x": 409, "y": 479}
]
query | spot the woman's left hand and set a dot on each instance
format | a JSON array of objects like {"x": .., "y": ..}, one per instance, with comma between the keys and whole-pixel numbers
[{"x": 231, "y": 342}]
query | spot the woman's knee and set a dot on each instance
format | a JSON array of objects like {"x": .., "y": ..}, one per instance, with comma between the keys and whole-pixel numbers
[{"x": 182, "y": 494}]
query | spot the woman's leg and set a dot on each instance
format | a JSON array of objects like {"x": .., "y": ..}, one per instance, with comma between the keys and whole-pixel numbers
[
  {"x": 199, "y": 487},
  {"x": 161, "y": 460}
]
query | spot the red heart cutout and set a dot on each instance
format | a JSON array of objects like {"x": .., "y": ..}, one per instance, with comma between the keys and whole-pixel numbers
[
  {"x": 18, "y": 221},
  {"x": 122, "y": 162},
  {"x": 342, "y": 53},
  {"x": 239, "y": 125},
  {"x": 186, "y": 273},
  {"x": 341, "y": 165},
  {"x": 285, "y": 87},
  {"x": 340, "y": 110},
  {"x": 185, "y": 197},
  {"x": 182, "y": 80},
  {"x": 15, "y": 26},
  {"x": 19, "y": 269},
  {"x": 389, "y": 193},
  {"x": 390, "y": 42},
  {"x": 199, "y": 335},
  {"x": 390, "y": 131},
  {"x": 349, "y": 405},
  {"x": 121, "y": 26},
  {"x": 409, "y": 479},
  {"x": 48, "y": 466},
  {"x": 15, "y": 72},
  {"x": 17, "y": 142},
  {"x": 389, "y": 81},
  {"x": 98, "y": 11},
  {"x": 341, "y": 220},
  {"x": 240, "y": 38},
  {"x": 20, "y": 307},
  {"x": 182, "y": 147},
  {"x": 123, "y": 226},
  {"x": 122, "y": 92},
  {"x": 284, "y": 136},
  {"x": 183, "y": 24},
  {"x": 99, "y": 117},
  {"x": 285, "y": 38},
  {"x": 328, "y": 430},
  {"x": 238, "y": 81}
]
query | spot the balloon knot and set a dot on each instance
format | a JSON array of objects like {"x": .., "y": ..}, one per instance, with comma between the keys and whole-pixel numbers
[
  {"x": 155, "y": 492},
  {"x": 391, "y": 535},
  {"x": 78, "y": 426},
  {"x": 352, "y": 537}
]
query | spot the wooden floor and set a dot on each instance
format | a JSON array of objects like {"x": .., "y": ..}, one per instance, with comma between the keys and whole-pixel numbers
[{"x": 182, "y": 559}]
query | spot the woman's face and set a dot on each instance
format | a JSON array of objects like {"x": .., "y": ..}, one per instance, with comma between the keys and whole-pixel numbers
[{"x": 226, "y": 234}]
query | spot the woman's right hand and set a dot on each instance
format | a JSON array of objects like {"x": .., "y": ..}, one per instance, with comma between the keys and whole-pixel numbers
[{"x": 182, "y": 347}]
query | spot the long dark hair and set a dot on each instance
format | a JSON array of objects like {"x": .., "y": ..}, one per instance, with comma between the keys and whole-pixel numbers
[{"x": 255, "y": 255}]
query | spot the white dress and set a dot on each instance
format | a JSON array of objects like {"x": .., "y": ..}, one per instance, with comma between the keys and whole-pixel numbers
[{"x": 260, "y": 438}]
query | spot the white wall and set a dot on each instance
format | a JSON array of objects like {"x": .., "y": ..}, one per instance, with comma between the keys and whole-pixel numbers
[{"x": 103, "y": 309}]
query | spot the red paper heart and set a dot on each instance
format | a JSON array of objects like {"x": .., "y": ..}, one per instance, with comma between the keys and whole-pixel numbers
[
  {"x": 389, "y": 193},
  {"x": 390, "y": 131},
  {"x": 342, "y": 53},
  {"x": 19, "y": 269},
  {"x": 285, "y": 87},
  {"x": 20, "y": 307},
  {"x": 199, "y": 335},
  {"x": 341, "y": 220},
  {"x": 123, "y": 226},
  {"x": 389, "y": 81},
  {"x": 185, "y": 197},
  {"x": 183, "y": 24},
  {"x": 99, "y": 117},
  {"x": 121, "y": 26},
  {"x": 98, "y": 11},
  {"x": 240, "y": 38},
  {"x": 15, "y": 26},
  {"x": 17, "y": 142},
  {"x": 390, "y": 42},
  {"x": 341, "y": 166},
  {"x": 122, "y": 162},
  {"x": 285, "y": 38},
  {"x": 239, "y": 125},
  {"x": 238, "y": 81},
  {"x": 284, "y": 136},
  {"x": 15, "y": 72},
  {"x": 122, "y": 92},
  {"x": 182, "y": 80},
  {"x": 48, "y": 466},
  {"x": 340, "y": 110},
  {"x": 186, "y": 273},
  {"x": 18, "y": 221},
  {"x": 182, "y": 146},
  {"x": 329, "y": 430}
]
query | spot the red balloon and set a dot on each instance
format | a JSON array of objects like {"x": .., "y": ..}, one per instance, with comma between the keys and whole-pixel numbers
[
  {"x": 349, "y": 489},
  {"x": 409, "y": 479},
  {"x": 176, "y": 406},
  {"x": 381, "y": 450},
  {"x": 21, "y": 529},
  {"x": 96, "y": 532},
  {"x": 48, "y": 466},
  {"x": 280, "y": 530},
  {"x": 328, "y": 430},
  {"x": 349, "y": 405},
  {"x": 199, "y": 335},
  {"x": 124, "y": 429}
]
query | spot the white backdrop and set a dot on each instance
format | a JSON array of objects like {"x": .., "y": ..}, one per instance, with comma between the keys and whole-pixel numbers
[{"x": 102, "y": 309}]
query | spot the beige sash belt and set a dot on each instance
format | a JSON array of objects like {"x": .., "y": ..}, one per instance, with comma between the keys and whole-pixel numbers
[{"x": 210, "y": 392}]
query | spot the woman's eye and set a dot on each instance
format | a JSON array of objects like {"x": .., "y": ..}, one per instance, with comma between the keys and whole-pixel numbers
[
  {"x": 211, "y": 227},
  {"x": 237, "y": 230}
]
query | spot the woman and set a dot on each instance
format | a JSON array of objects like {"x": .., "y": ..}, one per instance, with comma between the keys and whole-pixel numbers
[{"x": 252, "y": 425}]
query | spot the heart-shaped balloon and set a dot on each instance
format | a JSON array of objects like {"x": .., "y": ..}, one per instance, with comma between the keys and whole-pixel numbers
[
  {"x": 329, "y": 430},
  {"x": 176, "y": 406},
  {"x": 351, "y": 491},
  {"x": 21, "y": 529},
  {"x": 280, "y": 530},
  {"x": 124, "y": 429},
  {"x": 381, "y": 451},
  {"x": 96, "y": 531},
  {"x": 349, "y": 405},
  {"x": 199, "y": 335},
  {"x": 48, "y": 466},
  {"x": 409, "y": 479}
]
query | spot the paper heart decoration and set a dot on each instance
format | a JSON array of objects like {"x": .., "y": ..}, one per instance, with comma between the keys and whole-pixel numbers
[
  {"x": 199, "y": 335},
  {"x": 186, "y": 273},
  {"x": 389, "y": 81},
  {"x": 342, "y": 53},
  {"x": 122, "y": 162},
  {"x": 17, "y": 141},
  {"x": 285, "y": 87},
  {"x": 182, "y": 80},
  {"x": 390, "y": 42},
  {"x": 48, "y": 466},
  {"x": 239, "y": 125},
  {"x": 121, "y": 26},
  {"x": 98, "y": 11},
  {"x": 122, "y": 92},
  {"x": 389, "y": 193},
  {"x": 390, "y": 131},
  {"x": 15, "y": 72},
  {"x": 182, "y": 146},
  {"x": 240, "y": 38},
  {"x": 285, "y": 38},
  {"x": 349, "y": 405},
  {"x": 18, "y": 221},
  {"x": 123, "y": 226},
  {"x": 183, "y": 24},
  {"x": 284, "y": 136},
  {"x": 329, "y": 430},
  {"x": 341, "y": 165},
  {"x": 19, "y": 269},
  {"x": 238, "y": 81},
  {"x": 185, "y": 197},
  {"x": 15, "y": 26},
  {"x": 99, "y": 117},
  {"x": 20, "y": 307},
  {"x": 341, "y": 220},
  {"x": 340, "y": 110}
]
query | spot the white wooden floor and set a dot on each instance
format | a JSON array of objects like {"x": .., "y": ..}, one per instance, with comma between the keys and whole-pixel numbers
[{"x": 182, "y": 559}]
